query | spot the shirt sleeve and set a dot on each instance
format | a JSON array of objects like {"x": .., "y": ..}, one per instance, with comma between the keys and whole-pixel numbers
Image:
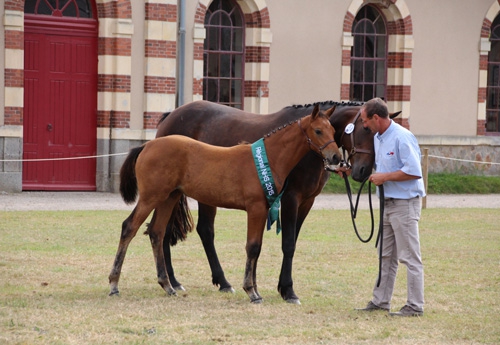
[{"x": 409, "y": 154}]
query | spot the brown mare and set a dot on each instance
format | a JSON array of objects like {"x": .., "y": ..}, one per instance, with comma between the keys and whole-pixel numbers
[
  {"x": 225, "y": 126},
  {"x": 164, "y": 169}
]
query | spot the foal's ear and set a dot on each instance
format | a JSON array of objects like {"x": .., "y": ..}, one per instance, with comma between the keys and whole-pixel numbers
[
  {"x": 330, "y": 111},
  {"x": 315, "y": 112},
  {"x": 393, "y": 115}
]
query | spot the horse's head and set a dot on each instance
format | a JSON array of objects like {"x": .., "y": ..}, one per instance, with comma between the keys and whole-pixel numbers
[
  {"x": 321, "y": 135},
  {"x": 355, "y": 140}
]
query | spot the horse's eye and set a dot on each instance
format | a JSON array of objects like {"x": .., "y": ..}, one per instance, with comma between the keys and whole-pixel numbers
[{"x": 317, "y": 131}]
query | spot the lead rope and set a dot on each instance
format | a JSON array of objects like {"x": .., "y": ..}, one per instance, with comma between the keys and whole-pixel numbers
[{"x": 354, "y": 211}]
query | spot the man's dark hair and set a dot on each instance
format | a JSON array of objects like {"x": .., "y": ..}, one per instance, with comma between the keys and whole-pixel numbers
[{"x": 376, "y": 106}]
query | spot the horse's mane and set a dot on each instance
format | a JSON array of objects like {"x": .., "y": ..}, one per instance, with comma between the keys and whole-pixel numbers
[
  {"x": 328, "y": 103},
  {"x": 163, "y": 117}
]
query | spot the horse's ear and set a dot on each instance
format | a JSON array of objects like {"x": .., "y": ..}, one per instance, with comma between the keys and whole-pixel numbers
[
  {"x": 394, "y": 115},
  {"x": 315, "y": 111},
  {"x": 330, "y": 111}
]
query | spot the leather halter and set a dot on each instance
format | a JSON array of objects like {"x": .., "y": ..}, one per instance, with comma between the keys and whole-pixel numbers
[
  {"x": 354, "y": 150},
  {"x": 311, "y": 144}
]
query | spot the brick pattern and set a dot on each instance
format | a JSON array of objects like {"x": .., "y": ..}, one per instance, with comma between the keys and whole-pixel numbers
[
  {"x": 252, "y": 88},
  {"x": 120, "y": 46},
  {"x": 346, "y": 57},
  {"x": 161, "y": 12},
  {"x": 197, "y": 86},
  {"x": 258, "y": 19},
  {"x": 482, "y": 88},
  {"x": 113, "y": 83},
  {"x": 159, "y": 84},
  {"x": 345, "y": 91},
  {"x": 395, "y": 59},
  {"x": 400, "y": 27},
  {"x": 14, "y": 5},
  {"x": 151, "y": 119},
  {"x": 481, "y": 127},
  {"x": 399, "y": 60},
  {"x": 160, "y": 49},
  {"x": 14, "y": 77},
  {"x": 13, "y": 39},
  {"x": 13, "y": 116},
  {"x": 198, "y": 51},
  {"x": 253, "y": 54},
  {"x": 485, "y": 29},
  {"x": 257, "y": 54},
  {"x": 199, "y": 17},
  {"x": 115, "y": 9},
  {"x": 113, "y": 119},
  {"x": 398, "y": 92}
]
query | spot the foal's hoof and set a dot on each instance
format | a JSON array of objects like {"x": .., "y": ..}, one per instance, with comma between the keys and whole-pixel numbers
[
  {"x": 179, "y": 288},
  {"x": 227, "y": 289},
  {"x": 257, "y": 300},
  {"x": 293, "y": 301},
  {"x": 172, "y": 292}
]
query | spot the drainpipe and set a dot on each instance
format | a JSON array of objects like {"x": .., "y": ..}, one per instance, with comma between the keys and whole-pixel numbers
[{"x": 182, "y": 52}]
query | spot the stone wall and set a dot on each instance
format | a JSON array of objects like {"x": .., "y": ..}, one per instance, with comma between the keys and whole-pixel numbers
[{"x": 462, "y": 155}]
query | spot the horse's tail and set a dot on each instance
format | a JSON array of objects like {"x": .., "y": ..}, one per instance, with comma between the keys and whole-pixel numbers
[
  {"x": 128, "y": 180},
  {"x": 163, "y": 117},
  {"x": 181, "y": 221}
]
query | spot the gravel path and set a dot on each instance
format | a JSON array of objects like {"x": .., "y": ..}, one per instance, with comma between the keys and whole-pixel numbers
[{"x": 42, "y": 201}]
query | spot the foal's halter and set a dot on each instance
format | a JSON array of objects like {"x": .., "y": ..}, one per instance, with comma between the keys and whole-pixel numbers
[
  {"x": 313, "y": 145},
  {"x": 349, "y": 130}
]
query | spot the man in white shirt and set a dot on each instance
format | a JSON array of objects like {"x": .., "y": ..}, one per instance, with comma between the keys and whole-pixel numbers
[{"x": 398, "y": 169}]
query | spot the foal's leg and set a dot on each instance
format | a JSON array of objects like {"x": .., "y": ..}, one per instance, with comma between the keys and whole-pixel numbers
[
  {"x": 255, "y": 231},
  {"x": 156, "y": 232},
  {"x": 206, "y": 231},
  {"x": 129, "y": 230}
]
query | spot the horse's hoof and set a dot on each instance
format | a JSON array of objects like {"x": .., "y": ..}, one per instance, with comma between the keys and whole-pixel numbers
[
  {"x": 293, "y": 301},
  {"x": 114, "y": 293},
  {"x": 179, "y": 288},
  {"x": 227, "y": 290},
  {"x": 257, "y": 300}
]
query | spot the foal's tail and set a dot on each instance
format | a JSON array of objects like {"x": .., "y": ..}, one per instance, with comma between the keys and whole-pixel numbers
[
  {"x": 128, "y": 180},
  {"x": 181, "y": 221}
]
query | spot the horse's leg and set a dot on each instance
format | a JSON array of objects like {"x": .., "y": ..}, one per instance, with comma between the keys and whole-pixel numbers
[
  {"x": 156, "y": 232},
  {"x": 293, "y": 217},
  {"x": 205, "y": 229},
  {"x": 256, "y": 223},
  {"x": 168, "y": 261},
  {"x": 129, "y": 230}
]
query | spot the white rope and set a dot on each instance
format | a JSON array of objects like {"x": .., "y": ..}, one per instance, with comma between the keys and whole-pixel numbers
[
  {"x": 464, "y": 160},
  {"x": 61, "y": 159},
  {"x": 124, "y": 153}
]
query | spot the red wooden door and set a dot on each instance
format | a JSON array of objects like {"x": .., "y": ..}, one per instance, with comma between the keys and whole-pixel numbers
[{"x": 60, "y": 104}]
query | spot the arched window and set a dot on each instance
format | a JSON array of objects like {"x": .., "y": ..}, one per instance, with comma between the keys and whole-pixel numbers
[
  {"x": 224, "y": 54},
  {"x": 493, "y": 86},
  {"x": 368, "y": 55},
  {"x": 59, "y": 8}
]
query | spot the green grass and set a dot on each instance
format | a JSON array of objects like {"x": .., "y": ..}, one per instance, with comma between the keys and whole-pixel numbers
[
  {"x": 54, "y": 268},
  {"x": 437, "y": 184}
]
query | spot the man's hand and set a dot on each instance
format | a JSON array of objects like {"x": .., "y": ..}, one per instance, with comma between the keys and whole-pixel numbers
[{"x": 343, "y": 170}]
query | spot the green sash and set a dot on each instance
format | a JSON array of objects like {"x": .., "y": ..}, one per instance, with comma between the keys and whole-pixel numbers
[{"x": 267, "y": 182}]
